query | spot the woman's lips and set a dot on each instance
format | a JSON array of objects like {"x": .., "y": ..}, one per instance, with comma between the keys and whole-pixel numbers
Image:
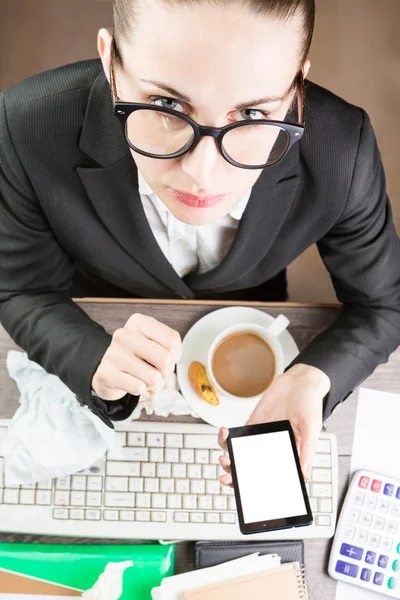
[{"x": 197, "y": 201}]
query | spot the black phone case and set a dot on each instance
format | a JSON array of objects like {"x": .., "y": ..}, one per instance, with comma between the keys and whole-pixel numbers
[{"x": 211, "y": 553}]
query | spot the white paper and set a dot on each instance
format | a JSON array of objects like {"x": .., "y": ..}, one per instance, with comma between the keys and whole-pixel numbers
[
  {"x": 376, "y": 447},
  {"x": 163, "y": 399},
  {"x": 172, "y": 588},
  {"x": 35, "y": 597}
]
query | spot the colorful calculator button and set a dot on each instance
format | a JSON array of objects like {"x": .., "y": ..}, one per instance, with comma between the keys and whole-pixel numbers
[
  {"x": 396, "y": 565},
  {"x": 346, "y": 568},
  {"x": 370, "y": 557},
  {"x": 392, "y": 583},
  {"x": 398, "y": 549},
  {"x": 364, "y": 482},
  {"x": 376, "y": 485},
  {"x": 366, "y": 574},
  {"x": 378, "y": 578},
  {"x": 388, "y": 489},
  {"x": 351, "y": 551},
  {"x": 398, "y": 493},
  {"x": 383, "y": 561}
]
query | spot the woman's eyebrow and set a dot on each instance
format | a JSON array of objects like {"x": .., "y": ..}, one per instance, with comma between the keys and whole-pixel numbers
[{"x": 179, "y": 95}]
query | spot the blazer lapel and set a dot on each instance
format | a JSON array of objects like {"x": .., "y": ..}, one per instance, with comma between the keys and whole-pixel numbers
[
  {"x": 266, "y": 210},
  {"x": 112, "y": 187}
]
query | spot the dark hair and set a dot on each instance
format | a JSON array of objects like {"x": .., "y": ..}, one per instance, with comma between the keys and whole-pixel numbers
[{"x": 124, "y": 14}]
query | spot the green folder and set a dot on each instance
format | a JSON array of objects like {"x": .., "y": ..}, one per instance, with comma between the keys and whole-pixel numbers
[{"x": 77, "y": 567}]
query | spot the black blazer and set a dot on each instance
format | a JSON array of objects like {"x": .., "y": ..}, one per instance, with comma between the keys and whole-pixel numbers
[{"x": 71, "y": 215}]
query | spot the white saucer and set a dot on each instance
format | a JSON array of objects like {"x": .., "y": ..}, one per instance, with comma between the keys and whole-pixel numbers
[{"x": 229, "y": 413}]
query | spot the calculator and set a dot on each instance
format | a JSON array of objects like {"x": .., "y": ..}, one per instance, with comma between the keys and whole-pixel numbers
[{"x": 366, "y": 546}]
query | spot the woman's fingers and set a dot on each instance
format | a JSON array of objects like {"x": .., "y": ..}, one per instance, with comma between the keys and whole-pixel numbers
[
  {"x": 226, "y": 479},
  {"x": 222, "y": 437},
  {"x": 225, "y": 463}
]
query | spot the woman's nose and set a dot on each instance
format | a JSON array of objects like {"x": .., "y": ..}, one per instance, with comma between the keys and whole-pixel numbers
[{"x": 200, "y": 163}]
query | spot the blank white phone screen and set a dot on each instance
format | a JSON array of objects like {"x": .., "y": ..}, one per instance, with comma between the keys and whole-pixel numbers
[{"x": 267, "y": 475}]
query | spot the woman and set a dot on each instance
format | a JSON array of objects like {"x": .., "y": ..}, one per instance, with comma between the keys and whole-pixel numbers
[{"x": 225, "y": 169}]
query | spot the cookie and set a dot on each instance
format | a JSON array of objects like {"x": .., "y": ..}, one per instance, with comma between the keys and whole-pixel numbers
[{"x": 200, "y": 383}]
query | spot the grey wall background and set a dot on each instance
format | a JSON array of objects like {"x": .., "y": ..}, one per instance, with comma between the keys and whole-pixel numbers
[{"x": 355, "y": 53}]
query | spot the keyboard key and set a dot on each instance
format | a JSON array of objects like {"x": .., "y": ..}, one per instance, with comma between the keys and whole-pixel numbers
[
  {"x": 190, "y": 502},
  {"x": 378, "y": 578},
  {"x": 325, "y": 505},
  {"x": 197, "y": 517},
  {"x": 213, "y": 486},
  {"x": 116, "y": 484},
  {"x": 383, "y": 561},
  {"x": 167, "y": 486},
  {"x": 121, "y": 438},
  {"x": 93, "y": 499},
  {"x": 174, "y": 501},
  {"x": 181, "y": 517},
  {"x": 370, "y": 557},
  {"x": 143, "y": 500},
  {"x": 136, "y": 439},
  {"x": 228, "y": 518},
  {"x": 379, "y": 523},
  {"x": 209, "y": 471},
  {"x": 346, "y": 568},
  {"x": 197, "y": 486},
  {"x": 126, "y": 515},
  {"x": 159, "y": 516},
  {"x": 314, "y": 504},
  {"x": 323, "y": 446},
  {"x": 43, "y": 497},
  {"x": 362, "y": 536},
  {"x": 148, "y": 470},
  {"x": 45, "y": 485},
  {"x": 366, "y": 574},
  {"x": 61, "y": 498},
  {"x": 151, "y": 485},
  {"x": 321, "y": 490},
  {"x": 220, "y": 503},
  {"x": 77, "y": 498},
  {"x": 205, "y": 502},
  {"x": 92, "y": 515},
  {"x": 322, "y": 475},
  {"x": 214, "y": 456},
  {"x": 157, "y": 455},
  {"x": 182, "y": 486},
  {"x": 384, "y": 506},
  {"x": 363, "y": 482},
  {"x": 155, "y": 440},
  {"x": 174, "y": 440},
  {"x": 78, "y": 483},
  {"x": 179, "y": 471},
  {"x": 110, "y": 515},
  {"x": 129, "y": 469},
  {"x": 388, "y": 489},
  {"x": 376, "y": 485},
  {"x": 10, "y": 496},
  {"x": 27, "y": 497},
  {"x": 323, "y": 520},
  {"x": 194, "y": 471},
  {"x": 63, "y": 483},
  {"x": 119, "y": 499},
  {"x": 187, "y": 455},
  {"x": 212, "y": 517},
  {"x": 359, "y": 499},
  {"x": 352, "y": 552},
  {"x": 171, "y": 455},
  {"x": 202, "y": 457},
  {"x": 60, "y": 513},
  {"x": 231, "y": 503},
  {"x": 375, "y": 540},
  {"x": 322, "y": 460},
  {"x": 142, "y": 515},
  {"x": 130, "y": 454},
  {"x": 387, "y": 544},
  {"x": 135, "y": 484},
  {"x": 206, "y": 441},
  {"x": 159, "y": 501},
  {"x": 164, "y": 470},
  {"x": 77, "y": 514},
  {"x": 94, "y": 483}
]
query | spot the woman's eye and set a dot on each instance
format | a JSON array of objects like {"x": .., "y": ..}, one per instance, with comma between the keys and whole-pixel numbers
[
  {"x": 252, "y": 114},
  {"x": 164, "y": 102}
]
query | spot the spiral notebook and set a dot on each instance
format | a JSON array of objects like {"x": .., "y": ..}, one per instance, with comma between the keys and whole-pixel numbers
[{"x": 284, "y": 583}]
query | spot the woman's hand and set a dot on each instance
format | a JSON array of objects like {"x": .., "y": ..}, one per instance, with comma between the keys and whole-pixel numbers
[
  {"x": 140, "y": 354},
  {"x": 297, "y": 396}
]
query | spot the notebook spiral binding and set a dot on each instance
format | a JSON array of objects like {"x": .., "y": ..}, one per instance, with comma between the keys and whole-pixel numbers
[{"x": 302, "y": 582}]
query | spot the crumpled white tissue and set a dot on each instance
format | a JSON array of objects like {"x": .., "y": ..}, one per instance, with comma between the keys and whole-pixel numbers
[
  {"x": 51, "y": 434},
  {"x": 109, "y": 584},
  {"x": 163, "y": 399}
]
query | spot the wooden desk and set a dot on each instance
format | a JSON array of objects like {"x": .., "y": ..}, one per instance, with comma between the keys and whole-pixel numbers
[{"x": 306, "y": 322}]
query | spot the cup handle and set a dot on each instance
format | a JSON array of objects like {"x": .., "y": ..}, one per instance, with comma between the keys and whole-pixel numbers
[{"x": 279, "y": 324}]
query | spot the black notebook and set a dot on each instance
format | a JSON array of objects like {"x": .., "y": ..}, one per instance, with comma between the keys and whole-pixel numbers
[{"x": 210, "y": 553}]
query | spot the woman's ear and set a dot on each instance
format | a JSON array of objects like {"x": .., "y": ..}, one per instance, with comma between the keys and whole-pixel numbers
[
  {"x": 305, "y": 68},
  {"x": 104, "y": 39}
]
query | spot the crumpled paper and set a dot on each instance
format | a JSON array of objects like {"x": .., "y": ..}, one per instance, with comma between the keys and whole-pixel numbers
[
  {"x": 51, "y": 434},
  {"x": 163, "y": 399},
  {"x": 109, "y": 584}
]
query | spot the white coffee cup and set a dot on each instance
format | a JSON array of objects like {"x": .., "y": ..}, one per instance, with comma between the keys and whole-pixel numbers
[{"x": 268, "y": 334}]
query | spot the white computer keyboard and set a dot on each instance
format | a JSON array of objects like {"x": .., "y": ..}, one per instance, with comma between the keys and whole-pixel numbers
[{"x": 164, "y": 486}]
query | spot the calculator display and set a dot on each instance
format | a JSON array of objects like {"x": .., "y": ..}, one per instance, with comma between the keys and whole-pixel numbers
[{"x": 267, "y": 476}]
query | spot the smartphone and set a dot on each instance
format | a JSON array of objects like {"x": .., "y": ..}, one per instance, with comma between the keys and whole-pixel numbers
[{"x": 268, "y": 483}]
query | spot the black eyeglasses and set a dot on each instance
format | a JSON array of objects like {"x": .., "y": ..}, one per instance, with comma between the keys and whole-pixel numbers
[{"x": 165, "y": 133}]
